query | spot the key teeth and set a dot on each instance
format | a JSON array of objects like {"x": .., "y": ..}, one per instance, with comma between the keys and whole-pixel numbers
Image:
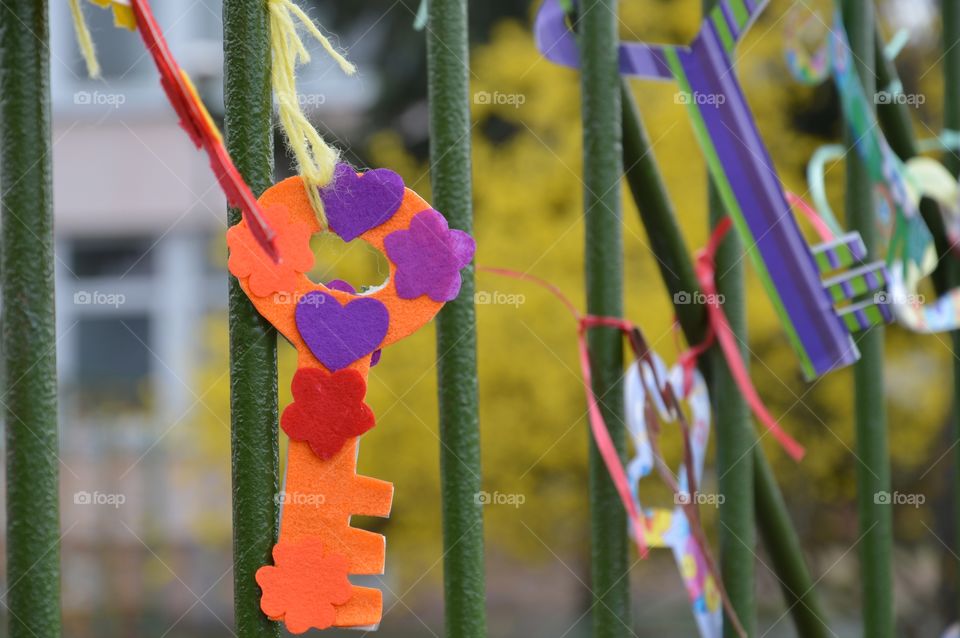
[
  {"x": 857, "y": 282},
  {"x": 374, "y": 496},
  {"x": 869, "y": 310},
  {"x": 364, "y": 610},
  {"x": 855, "y": 288},
  {"x": 856, "y": 293},
  {"x": 865, "y": 314},
  {"x": 843, "y": 251}
]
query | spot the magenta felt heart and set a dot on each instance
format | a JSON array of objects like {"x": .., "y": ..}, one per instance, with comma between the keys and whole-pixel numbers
[
  {"x": 339, "y": 335},
  {"x": 354, "y": 204}
]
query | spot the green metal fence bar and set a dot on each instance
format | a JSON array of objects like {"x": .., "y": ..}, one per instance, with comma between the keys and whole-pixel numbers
[
  {"x": 676, "y": 267},
  {"x": 253, "y": 341},
  {"x": 735, "y": 439},
  {"x": 602, "y": 170},
  {"x": 895, "y": 121},
  {"x": 951, "y": 76},
  {"x": 896, "y": 124},
  {"x": 950, "y": 10},
  {"x": 448, "y": 83},
  {"x": 735, "y": 436},
  {"x": 657, "y": 216},
  {"x": 29, "y": 331},
  {"x": 873, "y": 466},
  {"x": 892, "y": 115},
  {"x": 786, "y": 555}
]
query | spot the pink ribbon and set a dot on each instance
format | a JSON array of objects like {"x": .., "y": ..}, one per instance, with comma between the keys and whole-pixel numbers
[
  {"x": 826, "y": 234},
  {"x": 598, "y": 427},
  {"x": 720, "y": 330}
]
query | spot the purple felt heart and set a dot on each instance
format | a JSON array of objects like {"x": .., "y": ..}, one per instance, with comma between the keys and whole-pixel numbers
[
  {"x": 355, "y": 204},
  {"x": 339, "y": 335},
  {"x": 344, "y": 286}
]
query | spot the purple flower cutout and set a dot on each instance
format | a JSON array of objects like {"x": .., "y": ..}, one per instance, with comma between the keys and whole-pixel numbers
[{"x": 429, "y": 256}]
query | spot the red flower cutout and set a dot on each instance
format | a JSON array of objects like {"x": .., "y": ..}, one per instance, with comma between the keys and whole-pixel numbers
[
  {"x": 247, "y": 258},
  {"x": 303, "y": 585},
  {"x": 327, "y": 409}
]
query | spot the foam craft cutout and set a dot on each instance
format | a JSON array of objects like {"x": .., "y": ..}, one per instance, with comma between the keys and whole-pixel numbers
[
  {"x": 817, "y": 325},
  {"x": 429, "y": 257},
  {"x": 327, "y": 409},
  {"x": 249, "y": 261},
  {"x": 672, "y": 528},
  {"x": 910, "y": 254},
  {"x": 356, "y": 204},
  {"x": 337, "y": 491},
  {"x": 339, "y": 335},
  {"x": 194, "y": 117},
  {"x": 321, "y": 583}
]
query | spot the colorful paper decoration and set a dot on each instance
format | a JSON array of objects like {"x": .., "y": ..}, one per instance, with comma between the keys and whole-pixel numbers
[
  {"x": 646, "y": 383},
  {"x": 194, "y": 117},
  {"x": 817, "y": 325},
  {"x": 911, "y": 255},
  {"x": 682, "y": 531},
  {"x": 336, "y": 333}
]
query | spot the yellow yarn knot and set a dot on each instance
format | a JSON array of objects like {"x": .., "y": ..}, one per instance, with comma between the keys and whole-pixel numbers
[{"x": 315, "y": 158}]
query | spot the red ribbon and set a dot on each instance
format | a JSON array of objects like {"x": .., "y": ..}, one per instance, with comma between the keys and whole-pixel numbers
[
  {"x": 720, "y": 330},
  {"x": 195, "y": 120}
]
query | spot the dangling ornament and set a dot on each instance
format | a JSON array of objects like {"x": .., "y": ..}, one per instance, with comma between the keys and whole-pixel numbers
[
  {"x": 819, "y": 302},
  {"x": 336, "y": 333},
  {"x": 898, "y": 186}
]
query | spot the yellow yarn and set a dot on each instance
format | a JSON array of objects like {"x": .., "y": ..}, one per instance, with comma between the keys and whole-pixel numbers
[
  {"x": 315, "y": 158},
  {"x": 84, "y": 40}
]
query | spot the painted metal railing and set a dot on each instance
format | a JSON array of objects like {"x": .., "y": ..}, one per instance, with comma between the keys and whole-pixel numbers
[
  {"x": 254, "y": 437},
  {"x": 448, "y": 82},
  {"x": 602, "y": 172},
  {"x": 950, "y": 10},
  {"x": 28, "y": 339},
  {"x": 873, "y": 469}
]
